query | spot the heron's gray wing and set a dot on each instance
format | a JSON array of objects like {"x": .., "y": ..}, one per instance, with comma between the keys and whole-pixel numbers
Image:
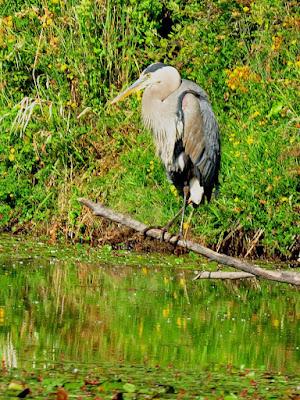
[{"x": 200, "y": 137}]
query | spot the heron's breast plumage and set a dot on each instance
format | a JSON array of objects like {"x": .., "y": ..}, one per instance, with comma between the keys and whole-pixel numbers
[{"x": 161, "y": 120}]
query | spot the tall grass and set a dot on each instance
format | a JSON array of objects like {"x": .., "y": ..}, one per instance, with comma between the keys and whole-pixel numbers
[{"x": 62, "y": 60}]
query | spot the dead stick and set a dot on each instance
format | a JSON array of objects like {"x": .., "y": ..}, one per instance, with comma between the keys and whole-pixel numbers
[
  {"x": 223, "y": 275},
  {"x": 279, "y": 276}
]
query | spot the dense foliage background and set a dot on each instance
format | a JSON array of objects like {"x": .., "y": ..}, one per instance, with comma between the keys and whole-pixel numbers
[{"x": 61, "y": 60}]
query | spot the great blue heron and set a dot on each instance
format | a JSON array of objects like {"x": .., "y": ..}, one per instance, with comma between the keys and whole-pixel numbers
[{"x": 184, "y": 128}]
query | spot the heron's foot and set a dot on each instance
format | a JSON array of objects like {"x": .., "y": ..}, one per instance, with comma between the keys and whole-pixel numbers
[
  {"x": 161, "y": 228},
  {"x": 175, "y": 239}
]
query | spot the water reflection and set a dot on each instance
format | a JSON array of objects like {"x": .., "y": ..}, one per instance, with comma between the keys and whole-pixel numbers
[{"x": 54, "y": 310}]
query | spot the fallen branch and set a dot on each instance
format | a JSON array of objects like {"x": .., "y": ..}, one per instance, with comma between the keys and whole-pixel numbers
[
  {"x": 279, "y": 276},
  {"x": 223, "y": 275}
]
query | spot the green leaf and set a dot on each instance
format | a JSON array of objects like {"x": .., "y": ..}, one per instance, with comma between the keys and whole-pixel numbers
[
  {"x": 129, "y": 388},
  {"x": 275, "y": 110},
  {"x": 15, "y": 386},
  {"x": 231, "y": 396}
]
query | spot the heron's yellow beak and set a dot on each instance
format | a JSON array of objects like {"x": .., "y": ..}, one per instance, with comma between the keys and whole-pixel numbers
[{"x": 140, "y": 84}]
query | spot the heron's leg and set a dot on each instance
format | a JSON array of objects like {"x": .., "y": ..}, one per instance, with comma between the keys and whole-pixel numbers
[
  {"x": 164, "y": 228},
  {"x": 171, "y": 222},
  {"x": 188, "y": 224},
  {"x": 185, "y": 195}
]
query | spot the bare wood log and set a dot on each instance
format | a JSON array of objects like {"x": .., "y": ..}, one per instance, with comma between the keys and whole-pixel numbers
[
  {"x": 223, "y": 275},
  {"x": 279, "y": 276}
]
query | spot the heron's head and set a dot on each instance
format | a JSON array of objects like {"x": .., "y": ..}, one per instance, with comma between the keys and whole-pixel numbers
[{"x": 156, "y": 75}]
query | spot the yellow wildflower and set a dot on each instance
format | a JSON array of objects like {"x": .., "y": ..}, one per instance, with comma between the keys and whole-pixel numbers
[
  {"x": 277, "y": 41},
  {"x": 186, "y": 226},
  {"x": 239, "y": 76},
  {"x": 8, "y": 21},
  {"x": 12, "y": 156},
  {"x": 246, "y": 9},
  {"x": 63, "y": 67},
  {"x": 182, "y": 282},
  {"x": 269, "y": 188},
  {"x": 255, "y": 114},
  {"x": 54, "y": 41},
  {"x": 2, "y": 314},
  {"x": 275, "y": 323},
  {"x": 250, "y": 140},
  {"x": 166, "y": 312},
  {"x": 284, "y": 199},
  {"x": 145, "y": 270},
  {"x": 139, "y": 95},
  {"x": 235, "y": 13},
  {"x": 174, "y": 191},
  {"x": 46, "y": 19}
]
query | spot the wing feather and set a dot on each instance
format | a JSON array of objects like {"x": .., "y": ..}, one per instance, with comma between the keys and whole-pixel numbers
[{"x": 200, "y": 138}]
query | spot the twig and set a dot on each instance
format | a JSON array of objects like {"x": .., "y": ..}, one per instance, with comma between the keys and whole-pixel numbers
[
  {"x": 279, "y": 276},
  {"x": 36, "y": 58},
  {"x": 254, "y": 241},
  {"x": 229, "y": 235}
]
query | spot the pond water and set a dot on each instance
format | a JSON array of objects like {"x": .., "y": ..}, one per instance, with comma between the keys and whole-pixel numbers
[{"x": 81, "y": 305}]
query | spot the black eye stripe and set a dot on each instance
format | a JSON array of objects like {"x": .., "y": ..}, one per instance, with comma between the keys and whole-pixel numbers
[{"x": 154, "y": 67}]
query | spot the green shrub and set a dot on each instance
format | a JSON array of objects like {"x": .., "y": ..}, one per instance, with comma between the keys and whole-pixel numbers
[{"x": 61, "y": 61}]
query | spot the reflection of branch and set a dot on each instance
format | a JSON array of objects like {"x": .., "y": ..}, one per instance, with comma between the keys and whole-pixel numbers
[
  {"x": 279, "y": 276},
  {"x": 223, "y": 275}
]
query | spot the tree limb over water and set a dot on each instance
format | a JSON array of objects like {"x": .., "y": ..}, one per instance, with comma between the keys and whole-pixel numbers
[{"x": 250, "y": 269}]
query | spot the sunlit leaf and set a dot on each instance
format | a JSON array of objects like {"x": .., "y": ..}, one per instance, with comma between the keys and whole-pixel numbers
[
  {"x": 15, "y": 386},
  {"x": 275, "y": 110},
  {"x": 129, "y": 387}
]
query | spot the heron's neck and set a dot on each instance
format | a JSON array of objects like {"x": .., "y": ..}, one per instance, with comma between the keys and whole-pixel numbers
[
  {"x": 161, "y": 91},
  {"x": 154, "y": 109},
  {"x": 159, "y": 114}
]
